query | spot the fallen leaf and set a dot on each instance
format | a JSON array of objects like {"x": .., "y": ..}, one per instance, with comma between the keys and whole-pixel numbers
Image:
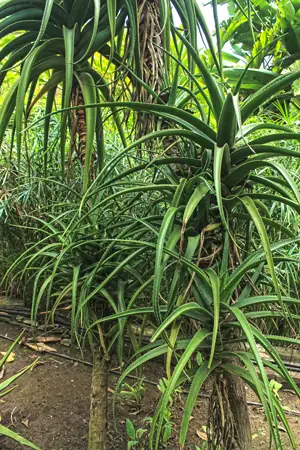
[
  {"x": 32, "y": 346},
  {"x": 40, "y": 347},
  {"x": 201, "y": 435},
  {"x": 2, "y": 373},
  {"x": 44, "y": 347},
  {"x": 45, "y": 339},
  {"x": 10, "y": 358},
  {"x": 111, "y": 391},
  {"x": 25, "y": 422}
]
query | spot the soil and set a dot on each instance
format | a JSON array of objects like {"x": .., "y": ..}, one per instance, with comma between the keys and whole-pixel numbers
[{"x": 50, "y": 405}]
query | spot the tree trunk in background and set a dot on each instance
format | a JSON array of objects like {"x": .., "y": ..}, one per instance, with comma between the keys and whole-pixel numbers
[
  {"x": 98, "y": 406},
  {"x": 151, "y": 60}
]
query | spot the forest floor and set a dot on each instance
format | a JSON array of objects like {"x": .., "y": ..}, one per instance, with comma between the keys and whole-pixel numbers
[{"x": 50, "y": 405}]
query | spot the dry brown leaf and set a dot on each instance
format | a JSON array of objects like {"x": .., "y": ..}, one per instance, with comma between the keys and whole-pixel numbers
[
  {"x": 2, "y": 373},
  {"x": 10, "y": 358},
  {"x": 45, "y": 339},
  {"x": 42, "y": 347},
  {"x": 201, "y": 435},
  {"x": 25, "y": 422},
  {"x": 32, "y": 346}
]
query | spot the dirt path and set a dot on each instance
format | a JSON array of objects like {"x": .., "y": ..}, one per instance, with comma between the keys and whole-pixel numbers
[{"x": 50, "y": 405}]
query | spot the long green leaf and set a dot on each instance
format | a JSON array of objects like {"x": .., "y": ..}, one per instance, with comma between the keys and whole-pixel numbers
[
  {"x": 4, "y": 431},
  {"x": 253, "y": 211},
  {"x": 215, "y": 284}
]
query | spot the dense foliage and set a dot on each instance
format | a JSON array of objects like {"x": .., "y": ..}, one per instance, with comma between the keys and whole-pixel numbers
[{"x": 169, "y": 202}]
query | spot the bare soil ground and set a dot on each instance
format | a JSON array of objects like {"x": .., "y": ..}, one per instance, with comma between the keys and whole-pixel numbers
[{"x": 50, "y": 405}]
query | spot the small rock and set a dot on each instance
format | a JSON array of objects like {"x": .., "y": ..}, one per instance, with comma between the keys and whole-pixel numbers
[
  {"x": 66, "y": 342},
  {"x": 76, "y": 364}
]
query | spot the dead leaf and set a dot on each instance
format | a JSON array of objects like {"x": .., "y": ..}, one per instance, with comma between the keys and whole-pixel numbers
[
  {"x": 201, "y": 435},
  {"x": 45, "y": 339},
  {"x": 43, "y": 347},
  {"x": 25, "y": 422},
  {"x": 10, "y": 358},
  {"x": 31, "y": 346},
  {"x": 2, "y": 373},
  {"x": 40, "y": 347},
  {"x": 111, "y": 391}
]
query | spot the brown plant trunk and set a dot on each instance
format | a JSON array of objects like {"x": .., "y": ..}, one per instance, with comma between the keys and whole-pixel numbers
[
  {"x": 151, "y": 61},
  {"x": 229, "y": 422},
  {"x": 78, "y": 129},
  {"x": 98, "y": 406},
  {"x": 81, "y": 126},
  {"x": 238, "y": 405}
]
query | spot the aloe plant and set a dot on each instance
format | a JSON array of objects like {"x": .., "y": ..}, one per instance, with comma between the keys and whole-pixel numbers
[
  {"x": 190, "y": 231},
  {"x": 207, "y": 221},
  {"x": 214, "y": 194},
  {"x": 64, "y": 38}
]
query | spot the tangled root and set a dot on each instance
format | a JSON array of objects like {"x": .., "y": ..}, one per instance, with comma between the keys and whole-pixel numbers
[{"x": 221, "y": 428}]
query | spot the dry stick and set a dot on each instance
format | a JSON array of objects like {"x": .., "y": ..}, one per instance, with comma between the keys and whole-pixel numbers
[{"x": 290, "y": 412}]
